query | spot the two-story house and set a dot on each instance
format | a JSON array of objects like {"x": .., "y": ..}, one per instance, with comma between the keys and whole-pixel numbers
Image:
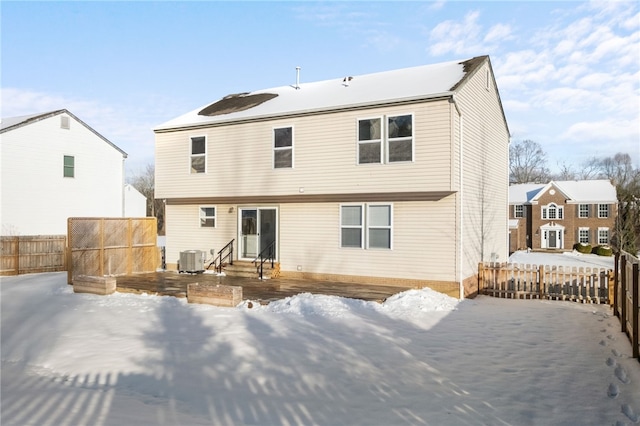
[
  {"x": 560, "y": 214},
  {"x": 54, "y": 166},
  {"x": 398, "y": 177}
]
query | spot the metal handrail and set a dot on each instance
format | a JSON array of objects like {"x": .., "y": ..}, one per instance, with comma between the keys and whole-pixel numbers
[
  {"x": 219, "y": 259},
  {"x": 271, "y": 256}
]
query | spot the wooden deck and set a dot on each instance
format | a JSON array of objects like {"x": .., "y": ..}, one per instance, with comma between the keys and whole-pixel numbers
[{"x": 174, "y": 284}]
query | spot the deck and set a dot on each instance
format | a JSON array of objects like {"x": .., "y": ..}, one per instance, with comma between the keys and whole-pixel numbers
[{"x": 174, "y": 284}]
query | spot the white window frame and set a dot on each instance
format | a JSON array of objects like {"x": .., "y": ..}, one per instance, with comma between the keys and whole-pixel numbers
[
  {"x": 285, "y": 148},
  {"x": 202, "y": 216},
  {"x": 65, "y": 122},
  {"x": 361, "y": 226},
  {"x": 369, "y": 226},
  {"x": 583, "y": 214},
  {"x": 71, "y": 167},
  {"x": 518, "y": 211},
  {"x": 603, "y": 236},
  {"x": 603, "y": 208},
  {"x": 390, "y": 140},
  {"x": 366, "y": 226},
  {"x": 580, "y": 235},
  {"x": 558, "y": 212},
  {"x": 378, "y": 141},
  {"x": 192, "y": 155}
]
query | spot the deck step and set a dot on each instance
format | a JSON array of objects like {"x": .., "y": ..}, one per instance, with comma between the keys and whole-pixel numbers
[{"x": 247, "y": 269}]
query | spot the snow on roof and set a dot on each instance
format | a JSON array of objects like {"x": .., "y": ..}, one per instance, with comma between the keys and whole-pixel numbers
[
  {"x": 7, "y": 122},
  {"x": 422, "y": 82},
  {"x": 583, "y": 191}
]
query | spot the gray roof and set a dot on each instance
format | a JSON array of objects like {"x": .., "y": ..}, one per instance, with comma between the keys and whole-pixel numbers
[
  {"x": 576, "y": 191},
  {"x": 11, "y": 123},
  {"x": 408, "y": 84}
]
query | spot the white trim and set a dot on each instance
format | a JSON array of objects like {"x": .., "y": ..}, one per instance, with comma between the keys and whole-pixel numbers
[
  {"x": 601, "y": 229},
  {"x": 361, "y": 226},
  {"x": 202, "y": 216},
  {"x": 400, "y": 139},
  {"x": 544, "y": 235},
  {"x": 380, "y": 140},
  {"x": 581, "y": 229},
  {"x": 368, "y": 226},
  {"x": 274, "y": 148},
  {"x": 608, "y": 211}
]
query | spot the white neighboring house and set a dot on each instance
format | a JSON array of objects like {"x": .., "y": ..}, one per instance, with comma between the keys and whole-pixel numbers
[
  {"x": 54, "y": 166},
  {"x": 135, "y": 203}
]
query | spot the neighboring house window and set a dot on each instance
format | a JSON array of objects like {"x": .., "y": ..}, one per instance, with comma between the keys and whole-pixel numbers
[
  {"x": 64, "y": 122},
  {"x": 518, "y": 211},
  {"x": 583, "y": 235},
  {"x": 283, "y": 148},
  {"x": 583, "y": 210},
  {"x": 373, "y": 230},
  {"x": 603, "y": 235},
  {"x": 552, "y": 211},
  {"x": 351, "y": 226},
  {"x": 400, "y": 141},
  {"x": 369, "y": 141},
  {"x": 603, "y": 210},
  {"x": 198, "y": 154},
  {"x": 207, "y": 217},
  {"x": 69, "y": 166},
  {"x": 379, "y": 226}
]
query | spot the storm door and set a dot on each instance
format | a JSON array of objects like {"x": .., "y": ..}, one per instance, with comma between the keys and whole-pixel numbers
[{"x": 258, "y": 231}]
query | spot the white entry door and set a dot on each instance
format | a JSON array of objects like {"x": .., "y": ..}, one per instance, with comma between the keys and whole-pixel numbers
[
  {"x": 258, "y": 231},
  {"x": 552, "y": 238}
]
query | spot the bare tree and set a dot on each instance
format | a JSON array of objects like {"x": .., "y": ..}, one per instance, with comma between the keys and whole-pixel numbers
[
  {"x": 566, "y": 172},
  {"x": 144, "y": 181},
  {"x": 527, "y": 163}
]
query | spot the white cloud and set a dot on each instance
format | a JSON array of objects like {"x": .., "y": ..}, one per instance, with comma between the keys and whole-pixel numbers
[{"x": 457, "y": 37}]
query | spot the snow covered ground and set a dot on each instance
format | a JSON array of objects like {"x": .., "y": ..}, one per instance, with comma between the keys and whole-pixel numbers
[
  {"x": 421, "y": 358},
  {"x": 570, "y": 258}
]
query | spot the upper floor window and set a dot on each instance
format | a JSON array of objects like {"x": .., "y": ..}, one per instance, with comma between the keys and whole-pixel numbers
[
  {"x": 207, "y": 217},
  {"x": 603, "y": 210},
  {"x": 583, "y": 210},
  {"x": 69, "y": 165},
  {"x": 518, "y": 211},
  {"x": 198, "y": 154},
  {"x": 366, "y": 226},
  {"x": 369, "y": 141},
  {"x": 400, "y": 142},
  {"x": 283, "y": 148},
  {"x": 552, "y": 211}
]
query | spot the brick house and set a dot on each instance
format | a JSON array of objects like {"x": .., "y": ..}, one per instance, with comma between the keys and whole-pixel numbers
[{"x": 557, "y": 215}]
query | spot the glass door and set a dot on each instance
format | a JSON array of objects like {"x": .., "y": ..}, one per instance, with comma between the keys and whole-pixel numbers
[{"x": 258, "y": 230}]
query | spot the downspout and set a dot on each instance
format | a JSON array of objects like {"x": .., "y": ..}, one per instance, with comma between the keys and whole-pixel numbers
[
  {"x": 461, "y": 198},
  {"x": 122, "y": 186}
]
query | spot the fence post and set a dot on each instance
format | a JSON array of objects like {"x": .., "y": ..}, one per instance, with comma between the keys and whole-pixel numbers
[
  {"x": 623, "y": 293},
  {"x": 634, "y": 314},
  {"x": 616, "y": 283},
  {"x": 480, "y": 276},
  {"x": 541, "y": 280}
]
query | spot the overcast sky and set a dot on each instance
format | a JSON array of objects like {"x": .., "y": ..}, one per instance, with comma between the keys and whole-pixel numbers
[{"x": 568, "y": 72}]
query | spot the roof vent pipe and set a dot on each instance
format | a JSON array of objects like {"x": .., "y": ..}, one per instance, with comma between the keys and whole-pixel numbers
[{"x": 297, "y": 78}]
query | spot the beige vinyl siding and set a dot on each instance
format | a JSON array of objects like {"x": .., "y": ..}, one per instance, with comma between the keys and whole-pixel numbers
[
  {"x": 485, "y": 174},
  {"x": 183, "y": 230},
  {"x": 423, "y": 242},
  {"x": 239, "y": 157}
]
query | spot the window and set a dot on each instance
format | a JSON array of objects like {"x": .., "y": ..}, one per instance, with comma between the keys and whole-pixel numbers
[
  {"x": 369, "y": 141},
  {"x": 351, "y": 226},
  {"x": 64, "y": 122},
  {"x": 583, "y": 210},
  {"x": 373, "y": 230},
  {"x": 603, "y": 236},
  {"x": 603, "y": 211},
  {"x": 552, "y": 211},
  {"x": 518, "y": 210},
  {"x": 379, "y": 226},
  {"x": 583, "y": 235},
  {"x": 68, "y": 169},
  {"x": 400, "y": 141},
  {"x": 207, "y": 217},
  {"x": 198, "y": 154},
  {"x": 283, "y": 148}
]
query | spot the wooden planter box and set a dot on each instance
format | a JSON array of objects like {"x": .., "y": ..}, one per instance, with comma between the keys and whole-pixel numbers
[
  {"x": 214, "y": 294},
  {"x": 94, "y": 285}
]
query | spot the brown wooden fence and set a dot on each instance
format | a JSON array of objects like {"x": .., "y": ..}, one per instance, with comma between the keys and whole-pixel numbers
[
  {"x": 111, "y": 246},
  {"x": 509, "y": 280},
  {"x": 32, "y": 254},
  {"x": 627, "y": 298}
]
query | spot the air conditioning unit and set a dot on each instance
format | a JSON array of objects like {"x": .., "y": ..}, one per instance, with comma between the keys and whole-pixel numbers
[{"x": 192, "y": 261}]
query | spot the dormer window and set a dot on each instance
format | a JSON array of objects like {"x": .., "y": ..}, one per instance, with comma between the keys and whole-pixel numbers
[{"x": 552, "y": 212}]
